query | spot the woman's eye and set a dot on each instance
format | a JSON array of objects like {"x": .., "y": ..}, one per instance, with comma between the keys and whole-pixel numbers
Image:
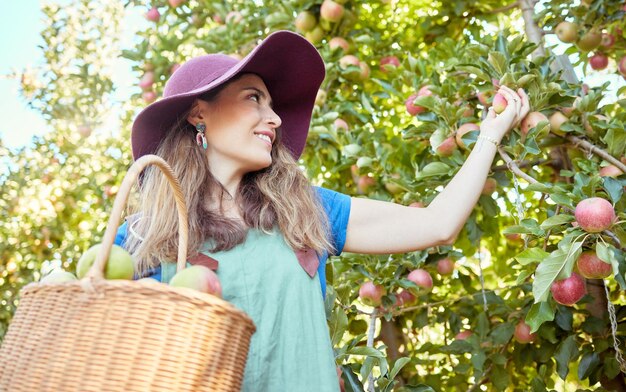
[{"x": 255, "y": 97}]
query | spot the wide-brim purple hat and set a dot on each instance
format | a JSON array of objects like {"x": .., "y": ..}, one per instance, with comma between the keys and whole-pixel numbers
[{"x": 290, "y": 66}]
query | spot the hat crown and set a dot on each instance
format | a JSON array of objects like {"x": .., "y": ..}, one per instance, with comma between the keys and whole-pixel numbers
[{"x": 198, "y": 72}]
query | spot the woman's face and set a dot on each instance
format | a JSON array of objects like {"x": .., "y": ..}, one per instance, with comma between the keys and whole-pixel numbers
[{"x": 240, "y": 126}]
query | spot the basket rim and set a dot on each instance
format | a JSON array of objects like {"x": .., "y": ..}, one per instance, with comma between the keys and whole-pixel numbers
[{"x": 94, "y": 284}]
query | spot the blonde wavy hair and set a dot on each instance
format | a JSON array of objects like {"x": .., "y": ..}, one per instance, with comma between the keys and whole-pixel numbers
[{"x": 279, "y": 195}]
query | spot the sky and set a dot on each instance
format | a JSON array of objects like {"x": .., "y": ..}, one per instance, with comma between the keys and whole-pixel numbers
[{"x": 20, "y": 24}]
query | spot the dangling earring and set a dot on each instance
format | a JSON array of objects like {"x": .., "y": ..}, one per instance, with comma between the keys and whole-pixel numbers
[{"x": 200, "y": 138}]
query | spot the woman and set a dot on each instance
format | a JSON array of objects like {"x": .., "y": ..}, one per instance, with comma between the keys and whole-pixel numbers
[{"x": 232, "y": 131}]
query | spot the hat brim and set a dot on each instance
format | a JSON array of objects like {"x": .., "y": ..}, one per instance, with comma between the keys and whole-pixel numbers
[{"x": 292, "y": 70}]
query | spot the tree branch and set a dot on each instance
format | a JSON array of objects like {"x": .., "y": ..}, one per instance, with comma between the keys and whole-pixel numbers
[
  {"x": 524, "y": 164},
  {"x": 533, "y": 32},
  {"x": 514, "y": 168},
  {"x": 587, "y": 146}
]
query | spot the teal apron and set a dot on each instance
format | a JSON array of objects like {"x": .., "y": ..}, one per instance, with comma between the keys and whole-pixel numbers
[{"x": 291, "y": 349}]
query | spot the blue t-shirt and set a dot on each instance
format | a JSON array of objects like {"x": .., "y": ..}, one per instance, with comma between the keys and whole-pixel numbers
[{"x": 337, "y": 208}]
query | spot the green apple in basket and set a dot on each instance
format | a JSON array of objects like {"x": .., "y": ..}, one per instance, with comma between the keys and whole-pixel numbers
[
  {"x": 58, "y": 276},
  {"x": 119, "y": 266},
  {"x": 198, "y": 277}
]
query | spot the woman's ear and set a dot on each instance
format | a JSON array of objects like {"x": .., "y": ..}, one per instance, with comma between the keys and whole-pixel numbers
[{"x": 195, "y": 114}]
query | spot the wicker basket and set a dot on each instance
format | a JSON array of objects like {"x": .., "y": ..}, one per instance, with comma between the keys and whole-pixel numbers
[{"x": 118, "y": 335}]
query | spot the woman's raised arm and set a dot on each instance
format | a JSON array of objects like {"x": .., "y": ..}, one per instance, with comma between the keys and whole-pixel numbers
[{"x": 382, "y": 227}]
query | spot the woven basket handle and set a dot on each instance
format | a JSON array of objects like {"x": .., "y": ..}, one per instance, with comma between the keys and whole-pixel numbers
[{"x": 97, "y": 269}]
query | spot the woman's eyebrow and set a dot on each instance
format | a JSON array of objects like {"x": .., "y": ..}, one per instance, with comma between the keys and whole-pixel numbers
[{"x": 262, "y": 94}]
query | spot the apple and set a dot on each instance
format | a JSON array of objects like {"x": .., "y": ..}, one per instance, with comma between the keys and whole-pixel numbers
[
  {"x": 405, "y": 298},
  {"x": 591, "y": 267},
  {"x": 392, "y": 187},
  {"x": 567, "y": 32},
  {"x": 331, "y": 11},
  {"x": 514, "y": 238},
  {"x": 348, "y": 60},
  {"x": 388, "y": 63},
  {"x": 589, "y": 41},
  {"x": 466, "y": 333},
  {"x": 305, "y": 21},
  {"x": 610, "y": 171},
  {"x": 119, "y": 265},
  {"x": 557, "y": 119},
  {"x": 153, "y": 15},
  {"x": 621, "y": 66},
  {"x": 417, "y": 204},
  {"x": 58, "y": 276},
  {"x": 570, "y": 290},
  {"x": 149, "y": 96},
  {"x": 314, "y": 36},
  {"x": 339, "y": 43},
  {"x": 364, "y": 184},
  {"x": 531, "y": 120},
  {"x": 594, "y": 214},
  {"x": 413, "y": 109},
  {"x": 341, "y": 124},
  {"x": 371, "y": 294},
  {"x": 445, "y": 266},
  {"x": 599, "y": 61},
  {"x": 484, "y": 97},
  {"x": 233, "y": 17},
  {"x": 198, "y": 277},
  {"x": 499, "y": 103},
  {"x": 147, "y": 80},
  {"x": 464, "y": 129},
  {"x": 607, "y": 40},
  {"x": 84, "y": 130},
  {"x": 175, "y": 3},
  {"x": 490, "y": 186},
  {"x": 522, "y": 333},
  {"x": 365, "y": 70},
  {"x": 174, "y": 68},
  {"x": 447, "y": 147},
  {"x": 421, "y": 278}
]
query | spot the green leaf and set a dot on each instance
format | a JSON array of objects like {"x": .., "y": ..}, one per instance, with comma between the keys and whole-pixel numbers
[
  {"x": 353, "y": 383},
  {"x": 434, "y": 169},
  {"x": 397, "y": 366},
  {"x": 480, "y": 74},
  {"x": 556, "y": 220},
  {"x": 531, "y": 255},
  {"x": 478, "y": 360},
  {"x": 415, "y": 388},
  {"x": 539, "y": 187},
  {"x": 338, "y": 325},
  {"x": 500, "y": 377},
  {"x": 556, "y": 266},
  {"x": 611, "y": 367},
  {"x": 521, "y": 278},
  {"x": 564, "y": 318},
  {"x": 457, "y": 347},
  {"x": 366, "y": 103},
  {"x": 538, "y": 314},
  {"x": 369, "y": 351},
  {"x": 498, "y": 61},
  {"x": 502, "y": 333},
  {"x": 588, "y": 364},
  {"x": 564, "y": 354},
  {"x": 427, "y": 101},
  {"x": 613, "y": 187},
  {"x": 615, "y": 138}
]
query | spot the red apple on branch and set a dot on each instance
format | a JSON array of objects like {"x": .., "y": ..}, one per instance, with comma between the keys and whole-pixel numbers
[
  {"x": 522, "y": 333},
  {"x": 531, "y": 120},
  {"x": 594, "y": 214},
  {"x": 305, "y": 21},
  {"x": 153, "y": 15},
  {"x": 445, "y": 266},
  {"x": 570, "y": 290},
  {"x": 389, "y": 62},
  {"x": 591, "y": 267},
  {"x": 463, "y": 129},
  {"x": 339, "y": 43},
  {"x": 466, "y": 333},
  {"x": 490, "y": 186},
  {"x": 331, "y": 11},
  {"x": 610, "y": 171},
  {"x": 499, "y": 103},
  {"x": 371, "y": 294},
  {"x": 608, "y": 40},
  {"x": 421, "y": 278},
  {"x": 599, "y": 61},
  {"x": 447, "y": 147},
  {"x": 567, "y": 32},
  {"x": 557, "y": 119},
  {"x": 589, "y": 41}
]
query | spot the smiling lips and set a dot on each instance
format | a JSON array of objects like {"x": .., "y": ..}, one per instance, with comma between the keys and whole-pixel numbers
[{"x": 265, "y": 137}]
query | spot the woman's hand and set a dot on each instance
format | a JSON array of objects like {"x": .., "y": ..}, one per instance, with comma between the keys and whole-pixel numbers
[{"x": 518, "y": 106}]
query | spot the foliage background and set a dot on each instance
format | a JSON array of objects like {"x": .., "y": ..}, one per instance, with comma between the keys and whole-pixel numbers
[{"x": 56, "y": 193}]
